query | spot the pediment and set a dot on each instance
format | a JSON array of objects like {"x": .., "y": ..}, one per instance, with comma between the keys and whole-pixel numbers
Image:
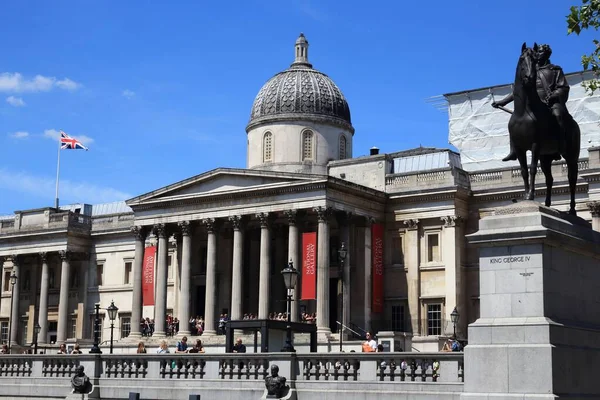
[{"x": 220, "y": 181}]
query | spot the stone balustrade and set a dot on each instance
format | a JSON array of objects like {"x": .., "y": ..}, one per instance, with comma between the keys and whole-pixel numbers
[
  {"x": 435, "y": 178},
  {"x": 150, "y": 374},
  {"x": 44, "y": 220}
]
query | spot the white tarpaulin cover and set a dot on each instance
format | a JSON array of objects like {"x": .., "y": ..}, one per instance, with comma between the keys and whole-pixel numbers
[{"x": 480, "y": 132}]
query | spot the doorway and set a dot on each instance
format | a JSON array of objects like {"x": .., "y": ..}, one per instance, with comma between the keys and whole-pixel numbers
[
  {"x": 333, "y": 304},
  {"x": 200, "y": 300}
]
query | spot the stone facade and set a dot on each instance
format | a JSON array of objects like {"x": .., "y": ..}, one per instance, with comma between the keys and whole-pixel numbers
[{"x": 223, "y": 237}]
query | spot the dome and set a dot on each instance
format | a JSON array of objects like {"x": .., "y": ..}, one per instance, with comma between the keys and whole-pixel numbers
[{"x": 300, "y": 93}]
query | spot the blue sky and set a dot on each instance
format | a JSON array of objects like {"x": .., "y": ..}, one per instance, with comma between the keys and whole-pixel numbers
[{"x": 161, "y": 92}]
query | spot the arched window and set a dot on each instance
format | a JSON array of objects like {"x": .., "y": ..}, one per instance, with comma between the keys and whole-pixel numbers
[
  {"x": 342, "y": 147},
  {"x": 307, "y": 145},
  {"x": 268, "y": 147}
]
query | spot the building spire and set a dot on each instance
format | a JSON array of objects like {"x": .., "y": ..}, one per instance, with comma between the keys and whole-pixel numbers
[{"x": 301, "y": 53}]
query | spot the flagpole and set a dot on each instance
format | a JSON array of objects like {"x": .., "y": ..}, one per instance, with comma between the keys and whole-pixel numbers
[{"x": 57, "y": 174}]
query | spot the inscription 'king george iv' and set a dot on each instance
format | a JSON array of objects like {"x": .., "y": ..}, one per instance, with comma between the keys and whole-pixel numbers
[{"x": 508, "y": 260}]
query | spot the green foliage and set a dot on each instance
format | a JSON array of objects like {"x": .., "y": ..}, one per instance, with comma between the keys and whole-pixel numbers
[{"x": 583, "y": 17}]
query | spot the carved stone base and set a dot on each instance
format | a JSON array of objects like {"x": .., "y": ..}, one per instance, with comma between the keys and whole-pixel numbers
[{"x": 291, "y": 395}]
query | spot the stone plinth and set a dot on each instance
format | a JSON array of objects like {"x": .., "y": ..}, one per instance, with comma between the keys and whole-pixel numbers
[{"x": 539, "y": 331}]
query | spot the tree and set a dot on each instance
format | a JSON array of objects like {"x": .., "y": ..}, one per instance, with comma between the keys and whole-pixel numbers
[{"x": 583, "y": 17}]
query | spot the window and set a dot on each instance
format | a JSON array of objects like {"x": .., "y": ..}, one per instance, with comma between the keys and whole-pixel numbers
[
  {"x": 74, "y": 283},
  {"x": 99, "y": 274},
  {"x": 73, "y": 328},
  {"x": 51, "y": 277},
  {"x": 434, "y": 319},
  {"x": 398, "y": 250},
  {"x": 342, "y": 147},
  {"x": 6, "y": 281},
  {"x": 26, "y": 281},
  {"x": 307, "y": 145},
  {"x": 4, "y": 332},
  {"x": 128, "y": 268},
  {"x": 268, "y": 147},
  {"x": 398, "y": 318},
  {"x": 170, "y": 267},
  {"x": 125, "y": 326},
  {"x": 433, "y": 247}
]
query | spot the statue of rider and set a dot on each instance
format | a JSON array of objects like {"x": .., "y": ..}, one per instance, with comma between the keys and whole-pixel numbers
[{"x": 552, "y": 88}]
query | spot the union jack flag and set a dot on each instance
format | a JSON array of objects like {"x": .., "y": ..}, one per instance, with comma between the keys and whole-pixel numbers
[{"x": 67, "y": 142}]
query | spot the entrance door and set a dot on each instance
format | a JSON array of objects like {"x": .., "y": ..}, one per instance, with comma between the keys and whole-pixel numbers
[
  {"x": 333, "y": 304},
  {"x": 52, "y": 328},
  {"x": 200, "y": 300}
]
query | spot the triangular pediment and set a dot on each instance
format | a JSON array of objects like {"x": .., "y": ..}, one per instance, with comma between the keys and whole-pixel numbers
[{"x": 222, "y": 180}]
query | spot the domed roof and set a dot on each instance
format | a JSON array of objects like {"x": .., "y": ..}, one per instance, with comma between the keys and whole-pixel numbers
[{"x": 300, "y": 93}]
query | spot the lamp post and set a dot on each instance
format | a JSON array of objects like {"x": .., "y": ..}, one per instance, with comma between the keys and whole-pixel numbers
[
  {"x": 95, "y": 348},
  {"x": 290, "y": 277},
  {"x": 342, "y": 252},
  {"x": 112, "y": 314},
  {"x": 454, "y": 316},
  {"x": 13, "y": 282},
  {"x": 36, "y": 330}
]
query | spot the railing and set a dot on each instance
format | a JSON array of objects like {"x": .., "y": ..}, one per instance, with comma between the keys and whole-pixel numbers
[{"x": 64, "y": 219}]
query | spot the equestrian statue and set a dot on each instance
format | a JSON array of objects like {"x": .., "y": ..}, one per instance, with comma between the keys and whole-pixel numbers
[{"x": 541, "y": 122}]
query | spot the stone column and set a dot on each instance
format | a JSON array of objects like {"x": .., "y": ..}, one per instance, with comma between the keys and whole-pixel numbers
[
  {"x": 237, "y": 274},
  {"x": 139, "y": 233},
  {"x": 293, "y": 249},
  {"x": 412, "y": 260},
  {"x": 43, "y": 312},
  {"x": 451, "y": 257},
  {"x": 264, "y": 284},
  {"x": 323, "y": 214},
  {"x": 211, "y": 275},
  {"x": 14, "y": 317},
  {"x": 63, "y": 302},
  {"x": 186, "y": 278},
  {"x": 594, "y": 207},
  {"x": 160, "y": 308},
  {"x": 367, "y": 283}
]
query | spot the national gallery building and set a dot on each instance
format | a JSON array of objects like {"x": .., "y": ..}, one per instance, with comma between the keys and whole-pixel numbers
[{"x": 216, "y": 243}]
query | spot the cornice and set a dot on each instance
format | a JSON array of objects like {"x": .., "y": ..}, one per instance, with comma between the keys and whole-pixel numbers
[
  {"x": 513, "y": 192},
  {"x": 294, "y": 117},
  {"x": 440, "y": 194}
]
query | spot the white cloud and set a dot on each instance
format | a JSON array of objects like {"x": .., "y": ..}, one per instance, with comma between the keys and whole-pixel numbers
[
  {"x": 68, "y": 84},
  {"x": 70, "y": 192},
  {"x": 19, "y": 135},
  {"x": 16, "y": 83},
  {"x": 15, "y": 101},
  {"x": 55, "y": 135},
  {"x": 128, "y": 93}
]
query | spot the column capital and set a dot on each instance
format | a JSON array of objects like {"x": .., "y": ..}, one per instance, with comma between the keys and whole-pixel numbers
[
  {"x": 210, "y": 224},
  {"x": 323, "y": 213},
  {"x": 43, "y": 256},
  {"x": 291, "y": 216},
  {"x": 185, "y": 228},
  {"x": 594, "y": 207},
  {"x": 161, "y": 231},
  {"x": 65, "y": 255},
  {"x": 237, "y": 222},
  {"x": 139, "y": 232},
  {"x": 452, "y": 221},
  {"x": 265, "y": 219},
  {"x": 15, "y": 259},
  {"x": 411, "y": 223}
]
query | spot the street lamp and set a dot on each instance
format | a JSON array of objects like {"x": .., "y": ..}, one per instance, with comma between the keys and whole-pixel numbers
[
  {"x": 95, "y": 348},
  {"x": 36, "y": 330},
  {"x": 290, "y": 277},
  {"x": 13, "y": 282},
  {"x": 342, "y": 253},
  {"x": 112, "y": 315},
  {"x": 454, "y": 316}
]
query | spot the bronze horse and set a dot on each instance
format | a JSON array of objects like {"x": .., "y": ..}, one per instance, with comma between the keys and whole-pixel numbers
[{"x": 532, "y": 127}]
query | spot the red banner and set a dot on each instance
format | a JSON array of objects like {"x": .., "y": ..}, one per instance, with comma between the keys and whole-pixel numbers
[
  {"x": 148, "y": 276},
  {"x": 309, "y": 266},
  {"x": 377, "y": 265}
]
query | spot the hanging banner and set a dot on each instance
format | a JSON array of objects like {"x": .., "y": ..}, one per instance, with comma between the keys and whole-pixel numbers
[
  {"x": 309, "y": 266},
  {"x": 148, "y": 276},
  {"x": 377, "y": 267}
]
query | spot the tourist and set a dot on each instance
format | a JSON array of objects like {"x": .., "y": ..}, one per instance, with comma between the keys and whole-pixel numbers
[
  {"x": 163, "y": 349},
  {"x": 239, "y": 347},
  {"x": 4, "y": 349},
  {"x": 197, "y": 347},
  {"x": 370, "y": 345},
  {"x": 76, "y": 350},
  {"x": 141, "y": 349},
  {"x": 182, "y": 346},
  {"x": 62, "y": 349}
]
